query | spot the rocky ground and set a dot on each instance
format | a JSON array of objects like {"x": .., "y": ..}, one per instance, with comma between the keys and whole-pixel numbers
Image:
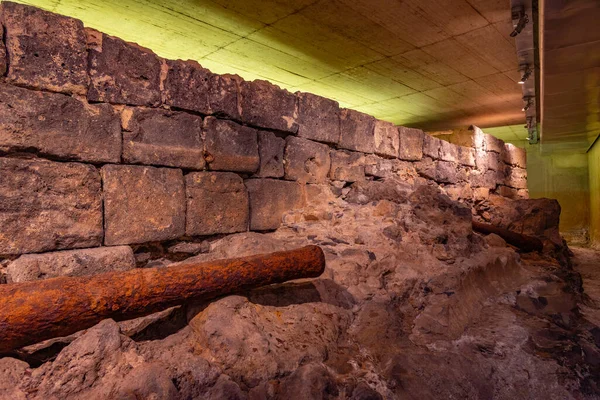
[{"x": 413, "y": 305}]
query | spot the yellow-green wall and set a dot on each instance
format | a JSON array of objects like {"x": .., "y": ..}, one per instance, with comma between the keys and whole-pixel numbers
[
  {"x": 594, "y": 177},
  {"x": 563, "y": 176}
]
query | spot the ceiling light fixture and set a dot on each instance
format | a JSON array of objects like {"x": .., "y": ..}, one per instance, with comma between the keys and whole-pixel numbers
[
  {"x": 526, "y": 74},
  {"x": 518, "y": 14}
]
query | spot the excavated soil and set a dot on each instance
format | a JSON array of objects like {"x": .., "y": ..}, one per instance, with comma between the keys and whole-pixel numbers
[{"x": 413, "y": 305}]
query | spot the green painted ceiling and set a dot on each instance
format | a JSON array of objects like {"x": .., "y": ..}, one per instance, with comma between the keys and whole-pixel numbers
[{"x": 437, "y": 64}]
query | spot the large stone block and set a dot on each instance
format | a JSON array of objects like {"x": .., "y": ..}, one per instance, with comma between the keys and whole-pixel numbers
[
  {"x": 515, "y": 177},
  {"x": 466, "y": 156},
  {"x": 448, "y": 151},
  {"x": 385, "y": 167},
  {"x": 438, "y": 171},
  {"x": 230, "y": 146},
  {"x": 387, "y": 139},
  {"x": 270, "y": 148},
  {"x": 306, "y": 161},
  {"x": 217, "y": 202},
  {"x": 268, "y": 106},
  {"x": 58, "y": 125},
  {"x": 82, "y": 262},
  {"x": 357, "y": 131},
  {"x": 513, "y": 155},
  {"x": 472, "y": 137},
  {"x": 318, "y": 118},
  {"x": 121, "y": 72},
  {"x": 270, "y": 199},
  {"x": 48, "y": 206},
  {"x": 190, "y": 87},
  {"x": 347, "y": 166},
  {"x": 411, "y": 144},
  {"x": 492, "y": 143},
  {"x": 485, "y": 160},
  {"x": 431, "y": 146},
  {"x": 45, "y": 50},
  {"x": 162, "y": 137},
  {"x": 142, "y": 204}
]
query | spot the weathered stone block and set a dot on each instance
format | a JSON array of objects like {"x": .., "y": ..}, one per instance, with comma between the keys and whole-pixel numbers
[
  {"x": 448, "y": 151},
  {"x": 121, "y": 72},
  {"x": 217, "y": 202},
  {"x": 268, "y": 106},
  {"x": 357, "y": 131},
  {"x": 447, "y": 172},
  {"x": 514, "y": 155},
  {"x": 48, "y": 206},
  {"x": 270, "y": 199},
  {"x": 485, "y": 160},
  {"x": 487, "y": 179},
  {"x": 318, "y": 118},
  {"x": 492, "y": 143},
  {"x": 230, "y": 146},
  {"x": 506, "y": 191},
  {"x": 438, "y": 171},
  {"x": 523, "y": 193},
  {"x": 270, "y": 148},
  {"x": 190, "y": 87},
  {"x": 431, "y": 146},
  {"x": 142, "y": 204},
  {"x": 306, "y": 161},
  {"x": 347, "y": 166},
  {"x": 58, "y": 125},
  {"x": 162, "y": 137},
  {"x": 472, "y": 137},
  {"x": 411, "y": 144},
  {"x": 515, "y": 177},
  {"x": 466, "y": 156},
  {"x": 387, "y": 139},
  {"x": 46, "y": 50},
  {"x": 30, "y": 267},
  {"x": 385, "y": 167}
]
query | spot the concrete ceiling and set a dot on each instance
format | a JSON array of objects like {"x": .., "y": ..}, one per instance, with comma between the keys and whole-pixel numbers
[
  {"x": 435, "y": 64},
  {"x": 570, "y": 74}
]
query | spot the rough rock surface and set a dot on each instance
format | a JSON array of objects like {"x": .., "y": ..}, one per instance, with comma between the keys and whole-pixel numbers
[
  {"x": 271, "y": 150},
  {"x": 46, "y": 50},
  {"x": 190, "y": 87},
  {"x": 306, "y": 161},
  {"x": 217, "y": 202},
  {"x": 269, "y": 199},
  {"x": 58, "y": 126},
  {"x": 162, "y": 137},
  {"x": 412, "y": 304},
  {"x": 318, "y": 118},
  {"x": 47, "y": 206},
  {"x": 411, "y": 144},
  {"x": 121, "y": 72},
  {"x": 142, "y": 204},
  {"x": 82, "y": 262},
  {"x": 357, "y": 131},
  {"x": 230, "y": 146},
  {"x": 267, "y": 106}
]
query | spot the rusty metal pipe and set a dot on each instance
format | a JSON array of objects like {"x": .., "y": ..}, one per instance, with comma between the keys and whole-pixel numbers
[{"x": 34, "y": 311}]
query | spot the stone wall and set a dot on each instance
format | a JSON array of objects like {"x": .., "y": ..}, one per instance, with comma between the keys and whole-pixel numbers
[{"x": 109, "y": 149}]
